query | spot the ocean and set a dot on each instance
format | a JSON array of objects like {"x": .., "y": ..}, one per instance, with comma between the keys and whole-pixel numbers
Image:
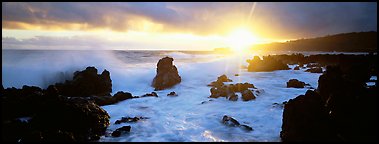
[{"x": 181, "y": 118}]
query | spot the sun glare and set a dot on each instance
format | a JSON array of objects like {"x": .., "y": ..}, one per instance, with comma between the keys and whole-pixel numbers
[{"x": 241, "y": 39}]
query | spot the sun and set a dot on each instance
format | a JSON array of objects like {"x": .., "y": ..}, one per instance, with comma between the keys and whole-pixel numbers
[{"x": 240, "y": 39}]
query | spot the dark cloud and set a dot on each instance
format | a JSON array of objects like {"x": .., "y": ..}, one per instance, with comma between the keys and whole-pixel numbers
[{"x": 288, "y": 20}]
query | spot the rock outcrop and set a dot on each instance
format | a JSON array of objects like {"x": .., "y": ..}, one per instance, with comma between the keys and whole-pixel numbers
[
  {"x": 121, "y": 130},
  {"x": 341, "y": 109},
  {"x": 230, "y": 121},
  {"x": 86, "y": 83},
  {"x": 51, "y": 117},
  {"x": 269, "y": 63},
  {"x": 314, "y": 70},
  {"x": 172, "y": 94},
  {"x": 167, "y": 74},
  {"x": 295, "y": 83},
  {"x": 219, "y": 89}
]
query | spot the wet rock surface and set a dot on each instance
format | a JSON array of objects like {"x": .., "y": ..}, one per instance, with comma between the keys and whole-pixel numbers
[
  {"x": 118, "y": 132},
  {"x": 172, "y": 94},
  {"x": 268, "y": 63},
  {"x": 152, "y": 94},
  {"x": 129, "y": 119},
  {"x": 341, "y": 109},
  {"x": 219, "y": 89},
  {"x": 167, "y": 74},
  {"x": 230, "y": 121},
  {"x": 53, "y": 117},
  {"x": 86, "y": 83},
  {"x": 295, "y": 83},
  {"x": 314, "y": 70}
]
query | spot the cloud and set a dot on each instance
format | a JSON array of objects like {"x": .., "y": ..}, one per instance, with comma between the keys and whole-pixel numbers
[{"x": 287, "y": 20}]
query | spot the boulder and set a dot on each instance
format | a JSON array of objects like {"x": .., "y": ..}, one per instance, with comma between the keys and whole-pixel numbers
[
  {"x": 152, "y": 94},
  {"x": 129, "y": 119},
  {"x": 269, "y": 63},
  {"x": 305, "y": 120},
  {"x": 296, "y": 68},
  {"x": 220, "y": 81},
  {"x": 233, "y": 97},
  {"x": 295, "y": 83},
  {"x": 247, "y": 95},
  {"x": 230, "y": 121},
  {"x": 219, "y": 89},
  {"x": 120, "y": 96},
  {"x": 86, "y": 83},
  {"x": 227, "y": 120},
  {"x": 74, "y": 119},
  {"x": 167, "y": 74},
  {"x": 172, "y": 94},
  {"x": 119, "y": 131},
  {"x": 314, "y": 70}
]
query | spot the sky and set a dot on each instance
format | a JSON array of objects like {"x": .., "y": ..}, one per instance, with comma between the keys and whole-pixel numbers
[{"x": 170, "y": 25}]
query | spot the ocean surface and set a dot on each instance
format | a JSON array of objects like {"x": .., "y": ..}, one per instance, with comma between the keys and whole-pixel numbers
[{"x": 181, "y": 118}]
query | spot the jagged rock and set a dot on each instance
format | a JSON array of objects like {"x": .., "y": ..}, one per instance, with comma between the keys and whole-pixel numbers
[
  {"x": 167, "y": 74},
  {"x": 305, "y": 119},
  {"x": 240, "y": 87},
  {"x": 314, "y": 70},
  {"x": 246, "y": 127},
  {"x": 220, "y": 81},
  {"x": 269, "y": 63},
  {"x": 233, "y": 97},
  {"x": 227, "y": 120},
  {"x": 310, "y": 65},
  {"x": 341, "y": 109},
  {"x": 119, "y": 131},
  {"x": 153, "y": 94},
  {"x": 230, "y": 121},
  {"x": 74, "y": 119},
  {"x": 247, "y": 95},
  {"x": 108, "y": 100},
  {"x": 223, "y": 78},
  {"x": 129, "y": 119},
  {"x": 295, "y": 83},
  {"x": 296, "y": 68},
  {"x": 172, "y": 94},
  {"x": 87, "y": 83},
  {"x": 220, "y": 90},
  {"x": 120, "y": 96}
]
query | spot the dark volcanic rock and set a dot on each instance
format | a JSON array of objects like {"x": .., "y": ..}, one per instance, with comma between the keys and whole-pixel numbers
[
  {"x": 108, "y": 100},
  {"x": 167, "y": 74},
  {"x": 227, "y": 120},
  {"x": 52, "y": 117},
  {"x": 172, "y": 94},
  {"x": 220, "y": 81},
  {"x": 314, "y": 70},
  {"x": 230, "y": 121},
  {"x": 119, "y": 131},
  {"x": 341, "y": 109},
  {"x": 129, "y": 119},
  {"x": 219, "y": 89},
  {"x": 120, "y": 96},
  {"x": 247, "y": 95},
  {"x": 295, "y": 83},
  {"x": 268, "y": 63},
  {"x": 87, "y": 83},
  {"x": 233, "y": 97},
  {"x": 153, "y": 94},
  {"x": 304, "y": 119}
]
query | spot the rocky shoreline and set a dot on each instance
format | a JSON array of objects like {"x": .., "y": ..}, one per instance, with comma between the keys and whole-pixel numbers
[{"x": 342, "y": 108}]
